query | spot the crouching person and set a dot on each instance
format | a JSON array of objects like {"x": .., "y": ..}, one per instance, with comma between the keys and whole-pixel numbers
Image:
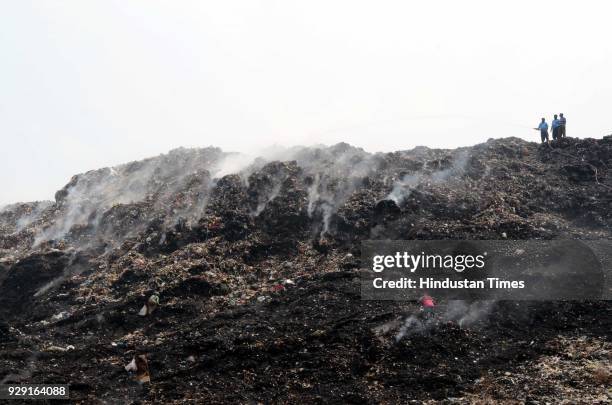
[{"x": 428, "y": 305}]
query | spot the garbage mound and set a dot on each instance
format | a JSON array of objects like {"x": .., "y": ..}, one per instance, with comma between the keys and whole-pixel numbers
[{"x": 201, "y": 275}]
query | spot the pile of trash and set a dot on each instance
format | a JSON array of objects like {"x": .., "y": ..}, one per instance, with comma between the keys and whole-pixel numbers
[{"x": 206, "y": 275}]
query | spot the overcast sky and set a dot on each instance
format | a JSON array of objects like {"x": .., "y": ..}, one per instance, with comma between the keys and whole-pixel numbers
[{"x": 86, "y": 84}]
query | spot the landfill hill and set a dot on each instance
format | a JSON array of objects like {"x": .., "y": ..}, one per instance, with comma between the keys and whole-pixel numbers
[{"x": 256, "y": 266}]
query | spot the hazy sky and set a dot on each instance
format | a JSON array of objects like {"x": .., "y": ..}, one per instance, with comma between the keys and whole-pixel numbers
[{"x": 85, "y": 84}]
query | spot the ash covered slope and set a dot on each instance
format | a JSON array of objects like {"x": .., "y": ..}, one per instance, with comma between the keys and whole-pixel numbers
[
  {"x": 253, "y": 262},
  {"x": 341, "y": 193}
]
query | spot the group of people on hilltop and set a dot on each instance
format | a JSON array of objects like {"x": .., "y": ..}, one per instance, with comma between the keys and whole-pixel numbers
[{"x": 558, "y": 128}]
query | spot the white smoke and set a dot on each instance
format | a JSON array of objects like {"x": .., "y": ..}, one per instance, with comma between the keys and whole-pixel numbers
[
  {"x": 460, "y": 312},
  {"x": 262, "y": 204},
  {"x": 414, "y": 325},
  {"x": 177, "y": 186},
  {"x": 404, "y": 186},
  {"x": 161, "y": 180},
  {"x": 313, "y": 194},
  {"x": 25, "y": 221},
  {"x": 336, "y": 172},
  {"x": 466, "y": 314},
  {"x": 233, "y": 163},
  {"x": 69, "y": 270},
  {"x": 17, "y": 217}
]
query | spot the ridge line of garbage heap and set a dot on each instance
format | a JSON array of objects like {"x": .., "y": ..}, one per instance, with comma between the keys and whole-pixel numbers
[{"x": 161, "y": 266}]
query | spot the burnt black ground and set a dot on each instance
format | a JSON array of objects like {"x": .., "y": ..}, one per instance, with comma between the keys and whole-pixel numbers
[
  {"x": 313, "y": 343},
  {"x": 259, "y": 295}
]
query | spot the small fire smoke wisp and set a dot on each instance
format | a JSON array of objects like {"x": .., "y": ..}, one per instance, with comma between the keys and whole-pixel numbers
[
  {"x": 466, "y": 314},
  {"x": 139, "y": 367},
  {"x": 420, "y": 322},
  {"x": 416, "y": 324},
  {"x": 150, "y": 306},
  {"x": 403, "y": 188}
]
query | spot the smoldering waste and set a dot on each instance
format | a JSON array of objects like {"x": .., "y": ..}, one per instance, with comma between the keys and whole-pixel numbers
[{"x": 236, "y": 280}]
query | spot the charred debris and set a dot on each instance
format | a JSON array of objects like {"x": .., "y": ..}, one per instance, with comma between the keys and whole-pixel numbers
[{"x": 204, "y": 275}]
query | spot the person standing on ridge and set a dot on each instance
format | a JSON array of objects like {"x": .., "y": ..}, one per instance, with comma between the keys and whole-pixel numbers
[
  {"x": 561, "y": 126},
  {"x": 555, "y": 128},
  {"x": 543, "y": 127}
]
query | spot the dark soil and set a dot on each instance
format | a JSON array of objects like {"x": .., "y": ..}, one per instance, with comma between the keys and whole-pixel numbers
[{"x": 257, "y": 275}]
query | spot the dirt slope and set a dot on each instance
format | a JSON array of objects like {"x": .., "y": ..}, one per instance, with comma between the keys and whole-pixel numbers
[{"x": 256, "y": 267}]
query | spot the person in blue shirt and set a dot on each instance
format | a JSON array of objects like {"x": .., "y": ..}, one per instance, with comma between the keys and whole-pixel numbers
[
  {"x": 556, "y": 124},
  {"x": 562, "y": 122},
  {"x": 543, "y": 127}
]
